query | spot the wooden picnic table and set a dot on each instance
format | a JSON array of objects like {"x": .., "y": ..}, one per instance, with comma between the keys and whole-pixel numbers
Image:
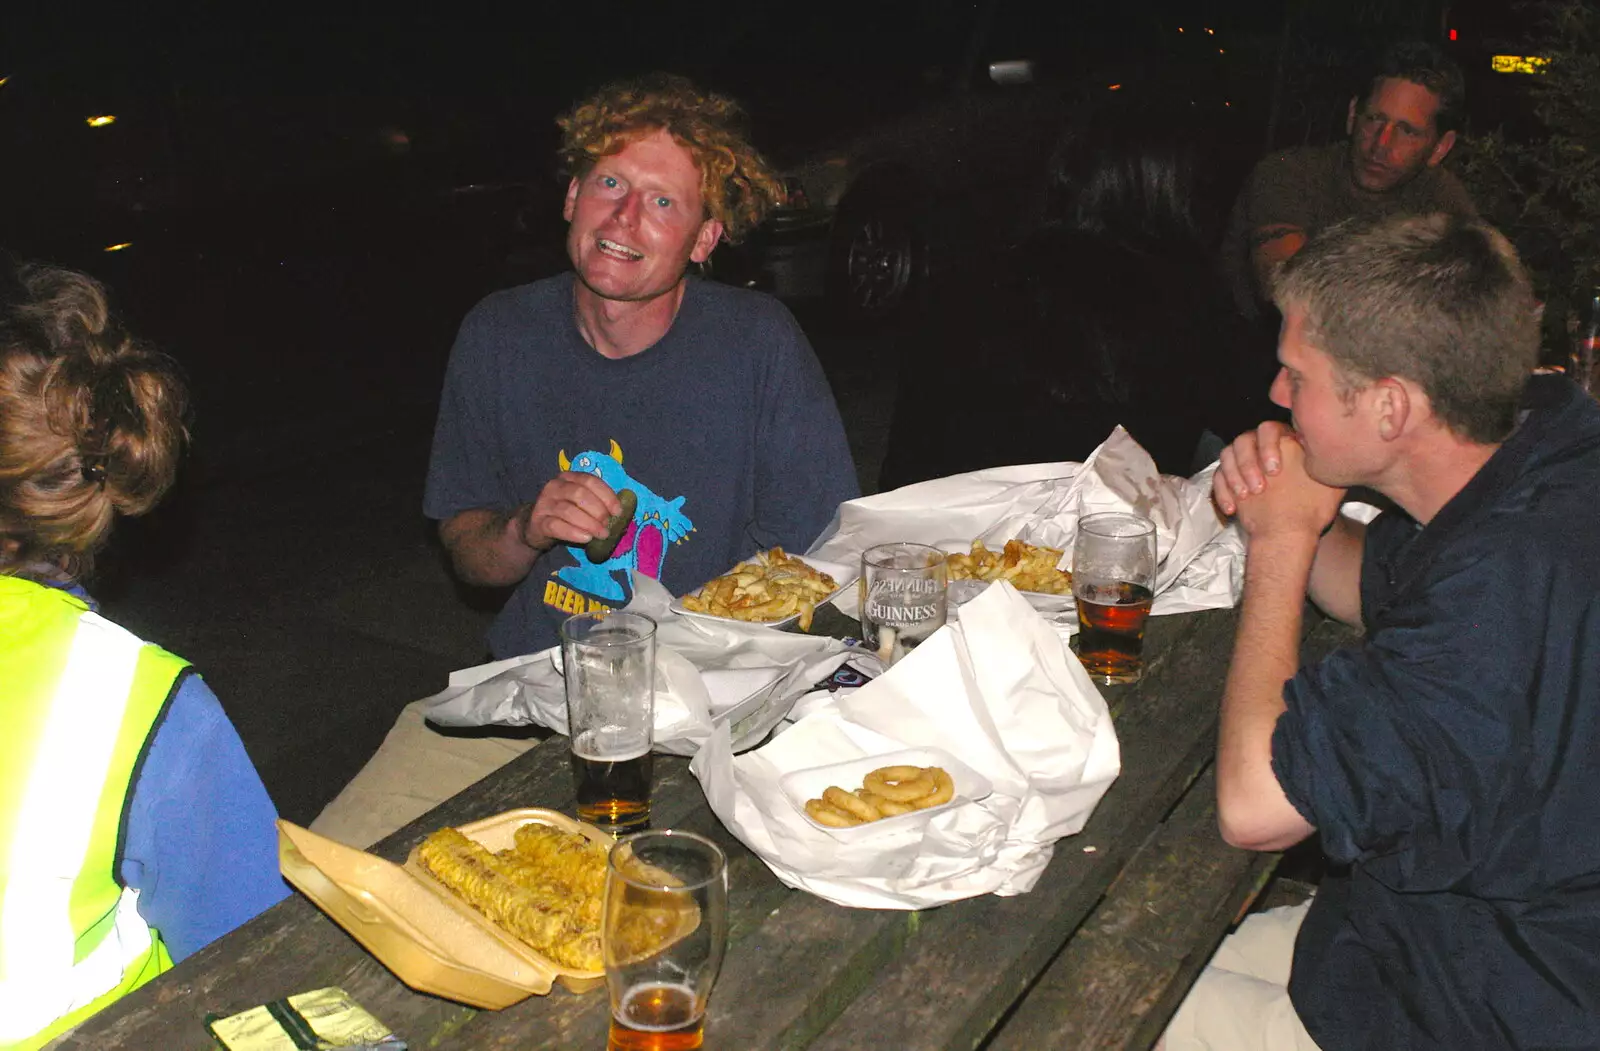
[{"x": 1098, "y": 955}]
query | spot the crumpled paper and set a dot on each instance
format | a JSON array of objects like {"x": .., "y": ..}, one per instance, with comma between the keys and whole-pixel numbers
[
  {"x": 1000, "y": 692},
  {"x": 708, "y": 676},
  {"x": 1201, "y": 558}
]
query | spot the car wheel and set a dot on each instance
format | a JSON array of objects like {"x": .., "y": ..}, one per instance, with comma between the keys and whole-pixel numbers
[{"x": 877, "y": 266}]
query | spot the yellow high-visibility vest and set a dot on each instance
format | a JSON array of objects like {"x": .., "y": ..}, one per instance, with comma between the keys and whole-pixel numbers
[{"x": 79, "y": 698}]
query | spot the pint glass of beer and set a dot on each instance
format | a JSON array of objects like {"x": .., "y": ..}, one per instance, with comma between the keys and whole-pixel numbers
[
  {"x": 663, "y": 932},
  {"x": 1113, "y": 581},
  {"x": 609, "y": 661},
  {"x": 903, "y": 597}
]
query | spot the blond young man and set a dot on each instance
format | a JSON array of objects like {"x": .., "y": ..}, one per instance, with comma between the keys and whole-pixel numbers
[{"x": 1450, "y": 761}]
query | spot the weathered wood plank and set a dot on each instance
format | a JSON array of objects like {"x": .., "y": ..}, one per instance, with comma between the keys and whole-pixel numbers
[
  {"x": 289, "y": 949},
  {"x": 805, "y": 962},
  {"x": 294, "y": 947},
  {"x": 580, "y": 1021},
  {"x": 968, "y": 964},
  {"x": 807, "y": 959},
  {"x": 1120, "y": 978},
  {"x": 800, "y": 972}
]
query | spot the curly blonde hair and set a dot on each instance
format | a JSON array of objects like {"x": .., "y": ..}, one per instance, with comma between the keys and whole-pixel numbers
[
  {"x": 737, "y": 184},
  {"x": 91, "y": 423}
]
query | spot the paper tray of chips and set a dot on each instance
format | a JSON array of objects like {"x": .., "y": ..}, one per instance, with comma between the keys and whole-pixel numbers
[
  {"x": 843, "y": 576},
  {"x": 1053, "y": 605},
  {"x": 429, "y": 938}
]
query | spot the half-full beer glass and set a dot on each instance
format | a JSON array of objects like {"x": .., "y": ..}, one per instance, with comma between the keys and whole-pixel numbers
[
  {"x": 903, "y": 597},
  {"x": 1113, "y": 581},
  {"x": 609, "y": 661},
  {"x": 664, "y": 930}
]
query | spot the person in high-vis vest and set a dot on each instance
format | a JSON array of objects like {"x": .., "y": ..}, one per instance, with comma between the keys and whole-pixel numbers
[{"x": 133, "y": 828}]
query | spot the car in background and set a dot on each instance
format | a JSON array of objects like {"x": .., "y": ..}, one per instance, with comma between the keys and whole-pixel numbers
[{"x": 916, "y": 135}]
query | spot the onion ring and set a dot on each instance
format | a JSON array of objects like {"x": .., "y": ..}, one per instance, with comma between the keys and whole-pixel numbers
[
  {"x": 823, "y": 814},
  {"x": 900, "y": 784},
  {"x": 853, "y": 805},
  {"x": 944, "y": 790},
  {"x": 888, "y": 807}
]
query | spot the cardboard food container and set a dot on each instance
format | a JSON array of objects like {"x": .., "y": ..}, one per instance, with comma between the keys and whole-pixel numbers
[{"x": 432, "y": 940}]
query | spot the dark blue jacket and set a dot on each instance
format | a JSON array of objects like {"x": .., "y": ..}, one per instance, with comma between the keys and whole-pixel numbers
[{"x": 1452, "y": 764}]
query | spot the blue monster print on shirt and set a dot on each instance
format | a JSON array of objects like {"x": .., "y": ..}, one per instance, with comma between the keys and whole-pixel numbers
[{"x": 656, "y": 524}]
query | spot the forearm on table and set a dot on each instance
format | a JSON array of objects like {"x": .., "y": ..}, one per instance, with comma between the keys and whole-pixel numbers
[
  {"x": 1252, "y": 809},
  {"x": 486, "y": 549},
  {"x": 1272, "y": 245},
  {"x": 1336, "y": 574}
]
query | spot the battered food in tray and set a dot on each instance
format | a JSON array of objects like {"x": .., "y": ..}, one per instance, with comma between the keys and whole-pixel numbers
[
  {"x": 888, "y": 791},
  {"x": 545, "y": 890}
]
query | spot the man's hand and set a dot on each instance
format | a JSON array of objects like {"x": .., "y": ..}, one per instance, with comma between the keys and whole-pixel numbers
[
  {"x": 498, "y": 548},
  {"x": 1245, "y": 465},
  {"x": 572, "y": 508},
  {"x": 1291, "y": 501},
  {"x": 1263, "y": 481}
]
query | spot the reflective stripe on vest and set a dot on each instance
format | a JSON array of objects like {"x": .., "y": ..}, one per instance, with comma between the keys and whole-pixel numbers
[{"x": 70, "y": 935}]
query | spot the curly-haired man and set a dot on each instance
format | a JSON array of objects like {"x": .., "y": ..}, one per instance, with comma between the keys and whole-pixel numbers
[
  {"x": 737, "y": 187},
  {"x": 705, "y": 402}
]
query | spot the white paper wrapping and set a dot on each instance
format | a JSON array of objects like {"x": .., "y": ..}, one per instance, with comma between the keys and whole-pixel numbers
[
  {"x": 1201, "y": 559},
  {"x": 999, "y": 691},
  {"x": 703, "y": 672}
]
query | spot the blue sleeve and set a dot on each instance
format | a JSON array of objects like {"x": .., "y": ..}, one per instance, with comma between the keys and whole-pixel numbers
[
  {"x": 465, "y": 467},
  {"x": 804, "y": 470},
  {"x": 1411, "y": 737},
  {"x": 201, "y": 846}
]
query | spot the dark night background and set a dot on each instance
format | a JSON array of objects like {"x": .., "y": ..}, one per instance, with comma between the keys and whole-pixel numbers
[{"x": 312, "y": 196}]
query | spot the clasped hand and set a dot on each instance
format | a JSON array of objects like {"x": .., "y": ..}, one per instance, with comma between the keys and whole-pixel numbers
[{"x": 1262, "y": 481}]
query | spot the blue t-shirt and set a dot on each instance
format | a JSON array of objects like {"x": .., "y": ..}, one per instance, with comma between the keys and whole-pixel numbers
[
  {"x": 1451, "y": 763},
  {"x": 724, "y": 429}
]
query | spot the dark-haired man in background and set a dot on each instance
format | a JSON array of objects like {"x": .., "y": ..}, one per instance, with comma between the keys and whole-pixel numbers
[
  {"x": 1400, "y": 134},
  {"x": 1451, "y": 760}
]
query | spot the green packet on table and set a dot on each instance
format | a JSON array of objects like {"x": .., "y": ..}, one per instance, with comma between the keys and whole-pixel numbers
[{"x": 321, "y": 1020}]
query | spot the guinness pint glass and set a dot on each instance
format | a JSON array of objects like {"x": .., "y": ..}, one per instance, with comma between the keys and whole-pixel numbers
[
  {"x": 903, "y": 597},
  {"x": 609, "y": 661}
]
